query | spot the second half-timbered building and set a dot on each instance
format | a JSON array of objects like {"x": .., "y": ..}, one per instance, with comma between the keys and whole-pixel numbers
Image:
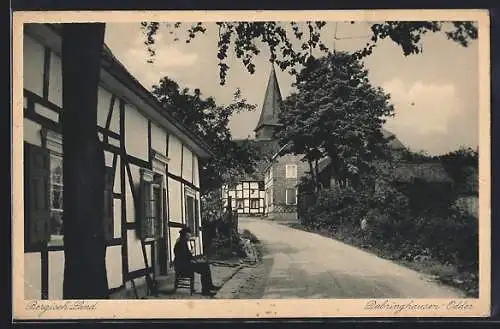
[{"x": 152, "y": 180}]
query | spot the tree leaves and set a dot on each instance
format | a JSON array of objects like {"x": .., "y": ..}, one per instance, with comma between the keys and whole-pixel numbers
[
  {"x": 336, "y": 112},
  {"x": 209, "y": 121},
  {"x": 248, "y": 38}
]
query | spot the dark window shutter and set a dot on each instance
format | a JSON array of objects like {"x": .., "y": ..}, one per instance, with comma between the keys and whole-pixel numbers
[
  {"x": 196, "y": 216},
  {"x": 190, "y": 215},
  {"x": 108, "y": 204},
  {"x": 145, "y": 204},
  {"x": 36, "y": 194},
  {"x": 164, "y": 218}
]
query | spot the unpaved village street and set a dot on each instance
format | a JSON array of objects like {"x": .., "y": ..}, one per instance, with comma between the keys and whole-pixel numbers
[{"x": 307, "y": 265}]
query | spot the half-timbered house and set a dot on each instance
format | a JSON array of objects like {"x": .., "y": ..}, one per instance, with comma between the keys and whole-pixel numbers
[
  {"x": 278, "y": 173},
  {"x": 152, "y": 180}
]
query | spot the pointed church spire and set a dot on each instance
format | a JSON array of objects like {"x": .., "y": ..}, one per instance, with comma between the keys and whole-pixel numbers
[{"x": 270, "y": 108}]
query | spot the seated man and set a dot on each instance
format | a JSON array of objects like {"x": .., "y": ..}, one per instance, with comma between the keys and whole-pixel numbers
[{"x": 185, "y": 261}]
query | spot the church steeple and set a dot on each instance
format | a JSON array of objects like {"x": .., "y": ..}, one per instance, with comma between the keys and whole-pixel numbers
[{"x": 270, "y": 109}]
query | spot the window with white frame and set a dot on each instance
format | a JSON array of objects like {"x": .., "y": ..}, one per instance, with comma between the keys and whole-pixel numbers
[
  {"x": 152, "y": 195},
  {"x": 192, "y": 210},
  {"x": 291, "y": 196},
  {"x": 291, "y": 171},
  {"x": 53, "y": 142}
]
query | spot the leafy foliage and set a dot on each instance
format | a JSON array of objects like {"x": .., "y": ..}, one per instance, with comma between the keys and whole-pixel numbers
[
  {"x": 460, "y": 163},
  {"x": 338, "y": 113},
  {"x": 210, "y": 121},
  {"x": 434, "y": 231},
  {"x": 247, "y": 38}
]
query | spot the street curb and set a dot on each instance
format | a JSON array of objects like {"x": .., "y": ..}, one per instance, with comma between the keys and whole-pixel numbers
[{"x": 228, "y": 280}]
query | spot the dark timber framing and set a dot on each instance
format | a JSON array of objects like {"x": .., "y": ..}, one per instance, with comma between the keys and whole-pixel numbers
[
  {"x": 167, "y": 206},
  {"x": 123, "y": 194},
  {"x": 46, "y": 72},
  {"x": 118, "y": 151},
  {"x": 123, "y": 169},
  {"x": 108, "y": 119},
  {"x": 183, "y": 202}
]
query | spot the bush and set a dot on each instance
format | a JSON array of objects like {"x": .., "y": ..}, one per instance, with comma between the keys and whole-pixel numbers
[
  {"x": 394, "y": 226},
  {"x": 246, "y": 234}
]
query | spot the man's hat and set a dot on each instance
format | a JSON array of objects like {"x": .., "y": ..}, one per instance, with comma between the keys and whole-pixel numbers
[{"x": 185, "y": 230}]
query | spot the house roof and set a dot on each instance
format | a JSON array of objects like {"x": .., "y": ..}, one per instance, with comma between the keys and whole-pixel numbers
[
  {"x": 272, "y": 103},
  {"x": 131, "y": 82},
  {"x": 323, "y": 163},
  {"x": 393, "y": 142},
  {"x": 45, "y": 33}
]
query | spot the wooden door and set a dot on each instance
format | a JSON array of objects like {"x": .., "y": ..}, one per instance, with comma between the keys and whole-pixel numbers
[{"x": 160, "y": 247}]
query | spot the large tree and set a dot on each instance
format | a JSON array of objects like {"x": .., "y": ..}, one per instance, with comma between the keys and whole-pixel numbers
[
  {"x": 211, "y": 122},
  {"x": 336, "y": 112},
  {"x": 80, "y": 88}
]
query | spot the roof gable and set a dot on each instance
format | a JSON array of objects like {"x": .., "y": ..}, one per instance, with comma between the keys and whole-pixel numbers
[{"x": 272, "y": 103}]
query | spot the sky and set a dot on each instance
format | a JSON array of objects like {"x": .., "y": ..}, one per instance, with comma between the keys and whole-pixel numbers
[{"x": 435, "y": 93}]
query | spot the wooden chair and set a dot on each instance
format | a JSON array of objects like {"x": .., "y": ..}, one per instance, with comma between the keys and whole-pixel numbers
[{"x": 184, "y": 279}]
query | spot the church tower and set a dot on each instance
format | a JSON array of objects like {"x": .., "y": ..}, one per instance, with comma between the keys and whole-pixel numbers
[{"x": 269, "y": 114}]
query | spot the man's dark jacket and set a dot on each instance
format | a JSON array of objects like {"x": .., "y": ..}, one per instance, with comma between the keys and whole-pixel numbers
[{"x": 183, "y": 255}]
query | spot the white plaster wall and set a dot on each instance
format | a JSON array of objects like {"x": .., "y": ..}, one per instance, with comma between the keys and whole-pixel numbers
[
  {"x": 32, "y": 276},
  {"x": 174, "y": 153},
  {"x": 117, "y": 183},
  {"x": 187, "y": 165},
  {"x": 56, "y": 274},
  {"x": 136, "y": 132},
  {"x": 174, "y": 235},
  {"x": 46, "y": 112},
  {"x": 196, "y": 171},
  {"x": 104, "y": 101},
  {"x": 31, "y": 131},
  {"x": 130, "y": 206},
  {"x": 174, "y": 201},
  {"x": 55, "y": 80},
  {"x": 117, "y": 216},
  {"x": 114, "y": 266},
  {"x": 114, "y": 125},
  {"x": 33, "y": 54},
  {"x": 135, "y": 258},
  {"x": 158, "y": 139},
  {"x": 148, "y": 254}
]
